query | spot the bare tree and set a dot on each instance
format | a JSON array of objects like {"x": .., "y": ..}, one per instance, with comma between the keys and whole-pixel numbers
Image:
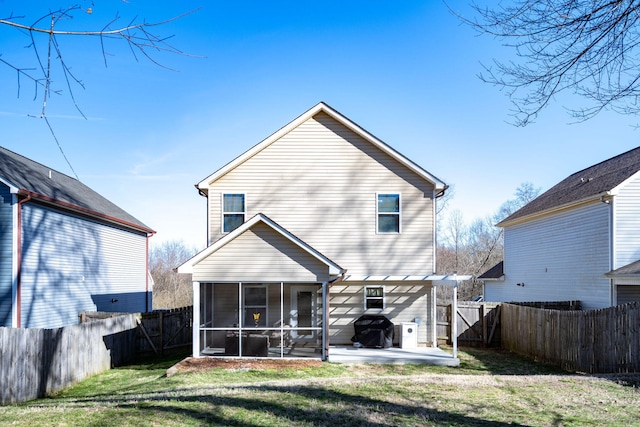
[
  {"x": 44, "y": 33},
  {"x": 587, "y": 47},
  {"x": 170, "y": 289},
  {"x": 475, "y": 248}
]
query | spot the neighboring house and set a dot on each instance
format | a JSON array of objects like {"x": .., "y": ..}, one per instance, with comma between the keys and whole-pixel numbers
[
  {"x": 312, "y": 228},
  {"x": 65, "y": 249},
  {"x": 580, "y": 240}
]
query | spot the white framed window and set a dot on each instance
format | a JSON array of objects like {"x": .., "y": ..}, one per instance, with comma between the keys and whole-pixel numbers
[
  {"x": 234, "y": 211},
  {"x": 374, "y": 298},
  {"x": 388, "y": 217}
]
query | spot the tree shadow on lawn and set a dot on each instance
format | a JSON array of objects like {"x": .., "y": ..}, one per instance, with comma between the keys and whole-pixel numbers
[
  {"x": 503, "y": 362},
  {"x": 335, "y": 409}
]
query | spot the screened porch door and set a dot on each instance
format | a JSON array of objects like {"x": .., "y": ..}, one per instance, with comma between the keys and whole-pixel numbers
[{"x": 303, "y": 313}]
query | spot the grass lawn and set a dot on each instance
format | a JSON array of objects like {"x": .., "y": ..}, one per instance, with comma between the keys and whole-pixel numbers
[{"x": 490, "y": 388}]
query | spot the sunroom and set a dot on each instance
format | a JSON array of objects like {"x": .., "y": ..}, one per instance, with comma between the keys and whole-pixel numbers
[{"x": 260, "y": 292}]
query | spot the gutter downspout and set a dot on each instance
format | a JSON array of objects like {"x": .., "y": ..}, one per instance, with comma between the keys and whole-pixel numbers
[{"x": 19, "y": 256}]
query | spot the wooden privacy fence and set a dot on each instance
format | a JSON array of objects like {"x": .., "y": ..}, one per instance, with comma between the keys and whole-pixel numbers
[
  {"x": 37, "y": 362},
  {"x": 157, "y": 331},
  {"x": 595, "y": 341},
  {"x": 478, "y": 323}
]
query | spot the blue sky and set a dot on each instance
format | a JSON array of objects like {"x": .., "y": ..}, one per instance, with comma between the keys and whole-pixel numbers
[{"x": 405, "y": 71}]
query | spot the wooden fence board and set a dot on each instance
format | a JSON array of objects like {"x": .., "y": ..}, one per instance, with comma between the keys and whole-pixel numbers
[
  {"x": 478, "y": 323},
  {"x": 38, "y": 362},
  {"x": 596, "y": 341}
]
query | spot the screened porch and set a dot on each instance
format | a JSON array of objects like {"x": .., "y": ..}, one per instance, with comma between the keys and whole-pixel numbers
[{"x": 261, "y": 319}]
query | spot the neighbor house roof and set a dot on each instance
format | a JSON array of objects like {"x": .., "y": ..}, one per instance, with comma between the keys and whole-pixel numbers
[
  {"x": 28, "y": 178},
  {"x": 595, "y": 181},
  {"x": 494, "y": 273},
  {"x": 187, "y": 267},
  {"x": 629, "y": 270},
  {"x": 322, "y": 107}
]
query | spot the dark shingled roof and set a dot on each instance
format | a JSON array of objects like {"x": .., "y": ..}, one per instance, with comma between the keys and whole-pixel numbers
[
  {"x": 586, "y": 183},
  {"x": 629, "y": 269},
  {"x": 495, "y": 272},
  {"x": 33, "y": 178}
]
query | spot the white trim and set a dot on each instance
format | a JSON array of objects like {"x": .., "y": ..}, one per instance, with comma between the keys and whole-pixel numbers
[
  {"x": 223, "y": 212},
  {"x": 321, "y": 107},
  {"x": 384, "y": 298},
  {"x": 440, "y": 279},
  {"x": 399, "y": 213},
  {"x": 13, "y": 189},
  {"x": 556, "y": 209},
  {"x": 187, "y": 267},
  {"x": 196, "y": 320},
  {"x": 15, "y": 310}
]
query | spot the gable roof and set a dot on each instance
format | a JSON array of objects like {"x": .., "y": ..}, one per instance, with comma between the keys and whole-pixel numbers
[
  {"x": 494, "y": 273},
  {"x": 322, "y": 107},
  {"x": 595, "y": 181},
  {"x": 629, "y": 270},
  {"x": 28, "y": 178},
  {"x": 187, "y": 267}
]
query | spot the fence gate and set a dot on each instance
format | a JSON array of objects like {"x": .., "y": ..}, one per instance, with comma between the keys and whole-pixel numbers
[{"x": 478, "y": 323}]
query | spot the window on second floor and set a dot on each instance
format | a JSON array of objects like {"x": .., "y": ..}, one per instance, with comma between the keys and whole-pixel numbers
[
  {"x": 388, "y": 213},
  {"x": 233, "y": 211}
]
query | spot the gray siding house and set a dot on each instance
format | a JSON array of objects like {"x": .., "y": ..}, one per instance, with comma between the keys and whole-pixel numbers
[
  {"x": 580, "y": 240},
  {"x": 64, "y": 249},
  {"x": 310, "y": 229}
]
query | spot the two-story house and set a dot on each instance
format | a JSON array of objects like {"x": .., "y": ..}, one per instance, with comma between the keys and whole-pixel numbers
[
  {"x": 580, "y": 240},
  {"x": 310, "y": 229},
  {"x": 65, "y": 249}
]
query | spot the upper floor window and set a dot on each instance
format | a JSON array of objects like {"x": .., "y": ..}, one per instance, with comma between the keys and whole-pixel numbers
[
  {"x": 388, "y": 213},
  {"x": 374, "y": 298},
  {"x": 233, "y": 211}
]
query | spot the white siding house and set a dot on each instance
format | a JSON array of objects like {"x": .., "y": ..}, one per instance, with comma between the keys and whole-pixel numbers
[
  {"x": 310, "y": 229},
  {"x": 575, "y": 241},
  {"x": 65, "y": 249}
]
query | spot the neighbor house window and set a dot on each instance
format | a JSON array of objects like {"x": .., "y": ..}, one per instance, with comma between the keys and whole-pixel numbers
[
  {"x": 388, "y": 213},
  {"x": 374, "y": 297},
  {"x": 233, "y": 211}
]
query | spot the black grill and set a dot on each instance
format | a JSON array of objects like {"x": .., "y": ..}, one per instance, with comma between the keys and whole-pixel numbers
[{"x": 373, "y": 331}]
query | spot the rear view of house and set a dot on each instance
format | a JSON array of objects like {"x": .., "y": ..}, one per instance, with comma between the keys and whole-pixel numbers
[
  {"x": 580, "y": 240},
  {"x": 312, "y": 228},
  {"x": 65, "y": 249}
]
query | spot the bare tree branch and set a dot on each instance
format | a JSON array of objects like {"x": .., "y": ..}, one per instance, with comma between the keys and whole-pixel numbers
[
  {"x": 586, "y": 47},
  {"x": 137, "y": 35}
]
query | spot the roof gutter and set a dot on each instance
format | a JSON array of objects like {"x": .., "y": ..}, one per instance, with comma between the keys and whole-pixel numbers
[
  {"x": 602, "y": 197},
  {"x": 30, "y": 195},
  {"x": 441, "y": 192}
]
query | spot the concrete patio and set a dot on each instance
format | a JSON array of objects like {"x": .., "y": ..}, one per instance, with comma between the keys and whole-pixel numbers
[{"x": 393, "y": 355}]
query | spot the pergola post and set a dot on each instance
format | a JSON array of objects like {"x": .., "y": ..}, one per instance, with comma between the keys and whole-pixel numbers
[{"x": 454, "y": 317}]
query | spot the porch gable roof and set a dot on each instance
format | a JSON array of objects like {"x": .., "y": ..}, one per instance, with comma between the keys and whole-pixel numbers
[{"x": 188, "y": 266}]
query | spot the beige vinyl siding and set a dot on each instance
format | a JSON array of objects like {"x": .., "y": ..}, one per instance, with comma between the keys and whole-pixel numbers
[
  {"x": 560, "y": 257},
  {"x": 320, "y": 181},
  {"x": 627, "y": 225},
  {"x": 260, "y": 255},
  {"x": 403, "y": 303}
]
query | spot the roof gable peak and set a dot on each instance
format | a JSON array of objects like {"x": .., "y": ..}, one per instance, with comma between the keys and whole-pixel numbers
[{"x": 340, "y": 118}]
